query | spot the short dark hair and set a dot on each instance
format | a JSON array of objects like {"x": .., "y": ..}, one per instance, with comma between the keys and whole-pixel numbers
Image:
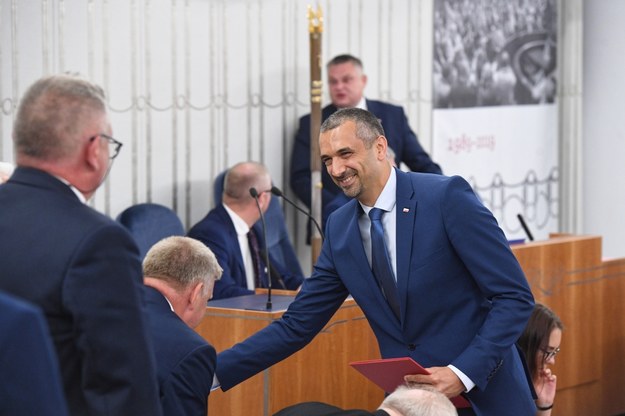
[
  {"x": 536, "y": 334},
  {"x": 341, "y": 59},
  {"x": 368, "y": 126}
]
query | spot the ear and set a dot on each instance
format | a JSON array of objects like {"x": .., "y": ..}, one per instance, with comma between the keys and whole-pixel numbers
[
  {"x": 195, "y": 294},
  {"x": 93, "y": 158},
  {"x": 265, "y": 200},
  {"x": 380, "y": 147},
  {"x": 364, "y": 80}
]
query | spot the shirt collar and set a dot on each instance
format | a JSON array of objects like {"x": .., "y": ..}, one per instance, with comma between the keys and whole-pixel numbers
[
  {"x": 386, "y": 200},
  {"x": 169, "y": 303},
  {"x": 362, "y": 104},
  {"x": 240, "y": 226},
  {"x": 79, "y": 194}
]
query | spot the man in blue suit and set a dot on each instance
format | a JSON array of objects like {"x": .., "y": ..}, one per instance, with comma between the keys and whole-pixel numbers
[
  {"x": 227, "y": 230},
  {"x": 79, "y": 266},
  {"x": 29, "y": 369},
  {"x": 179, "y": 274},
  {"x": 457, "y": 300},
  {"x": 347, "y": 82}
]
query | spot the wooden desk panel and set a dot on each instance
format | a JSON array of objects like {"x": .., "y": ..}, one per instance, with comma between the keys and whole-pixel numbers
[
  {"x": 319, "y": 372},
  {"x": 613, "y": 340},
  {"x": 565, "y": 273}
]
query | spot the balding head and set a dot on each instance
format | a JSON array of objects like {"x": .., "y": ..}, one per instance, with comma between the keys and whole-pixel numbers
[{"x": 243, "y": 176}]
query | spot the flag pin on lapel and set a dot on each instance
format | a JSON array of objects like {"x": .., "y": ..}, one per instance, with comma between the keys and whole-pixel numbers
[{"x": 406, "y": 210}]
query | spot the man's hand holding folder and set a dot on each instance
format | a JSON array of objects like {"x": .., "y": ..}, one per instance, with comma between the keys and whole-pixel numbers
[{"x": 389, "y": 373}]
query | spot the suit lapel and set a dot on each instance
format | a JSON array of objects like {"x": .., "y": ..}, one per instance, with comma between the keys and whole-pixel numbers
[{"x": 405, "y": 211}]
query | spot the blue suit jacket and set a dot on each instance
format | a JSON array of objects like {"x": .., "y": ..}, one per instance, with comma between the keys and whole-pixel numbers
[
  {"x": 83, "y": 270},
  {"x": 464, "y": 298},
  {"x": 31, "y": 381},
  {"x": 400, "y": 138},
  {"x": 185, "y": 361},
  {"x": 217, "y": 231}
]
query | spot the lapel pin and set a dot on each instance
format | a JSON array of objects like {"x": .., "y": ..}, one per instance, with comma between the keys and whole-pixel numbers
[{"x": 406, "y": 210}]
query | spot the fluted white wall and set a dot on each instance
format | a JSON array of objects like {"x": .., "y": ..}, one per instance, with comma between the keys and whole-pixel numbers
[
  {"x": 197, "y": 85},
  {"x": 604, "y": 124}
]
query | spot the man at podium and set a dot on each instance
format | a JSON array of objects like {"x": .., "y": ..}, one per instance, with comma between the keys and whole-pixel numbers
[{"x": 428, "y": 265}]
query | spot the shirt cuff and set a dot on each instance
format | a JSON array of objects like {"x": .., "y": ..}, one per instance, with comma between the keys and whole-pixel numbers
[
  {"x": 468, "y": 384},
  {"x": 216, "y": 383}
]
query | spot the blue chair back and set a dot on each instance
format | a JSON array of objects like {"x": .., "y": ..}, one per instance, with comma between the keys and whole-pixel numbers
[
  {"x": 278, "y": 240},
  {"x": 149, "y": 223}
]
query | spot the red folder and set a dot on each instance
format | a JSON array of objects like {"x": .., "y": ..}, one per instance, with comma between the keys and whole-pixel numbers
[{"x": 389, "y": 373}]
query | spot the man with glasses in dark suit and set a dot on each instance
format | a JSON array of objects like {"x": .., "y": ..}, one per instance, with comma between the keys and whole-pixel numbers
[{"x": 79, "y": 266}]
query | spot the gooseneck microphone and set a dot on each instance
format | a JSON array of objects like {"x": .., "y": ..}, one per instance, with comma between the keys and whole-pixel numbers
[
  {"x": 254, "y": 194},
  {"x": 277, "y": 192},
  {"x": 525, "y": 227}
]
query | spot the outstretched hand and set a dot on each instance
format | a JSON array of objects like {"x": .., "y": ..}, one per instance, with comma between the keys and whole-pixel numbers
[{"x": 441, "y": 378}]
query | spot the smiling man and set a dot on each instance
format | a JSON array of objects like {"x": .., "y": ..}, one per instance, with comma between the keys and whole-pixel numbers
[{"x": 428, "y": 265}]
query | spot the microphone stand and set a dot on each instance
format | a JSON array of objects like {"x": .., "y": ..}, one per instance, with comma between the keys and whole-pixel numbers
[
  {"x": 277, "y": 192},
  {"x": 254, "y": 194},
  {"x": 525, "y": 227}
]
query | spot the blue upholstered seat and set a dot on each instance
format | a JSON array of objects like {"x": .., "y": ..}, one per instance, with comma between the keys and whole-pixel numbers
[{"x": 149, "y": 223}]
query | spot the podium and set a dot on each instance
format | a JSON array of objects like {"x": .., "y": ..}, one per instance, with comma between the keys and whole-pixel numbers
[{"x": 318, "y": 372}]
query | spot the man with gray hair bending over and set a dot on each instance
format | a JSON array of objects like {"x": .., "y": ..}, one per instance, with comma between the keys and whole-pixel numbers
[{"x": 179, "y": 275}]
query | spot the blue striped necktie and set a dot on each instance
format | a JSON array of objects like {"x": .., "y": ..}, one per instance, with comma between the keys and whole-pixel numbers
[{"x": 381, "y": 263}]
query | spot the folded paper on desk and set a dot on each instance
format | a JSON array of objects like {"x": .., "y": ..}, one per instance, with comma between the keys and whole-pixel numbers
[{"x": 389, "y": 373}]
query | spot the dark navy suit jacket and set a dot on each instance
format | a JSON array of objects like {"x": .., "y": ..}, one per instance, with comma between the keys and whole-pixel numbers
[
  {"x": 400, "y": 138},
  {"x": 29, "y": 370},
  {"x": 82, "y": 269},
  {"x": 185, "y": 361},
  {"x": 464, "y": 299},
  {"x": 217, "y": 231}
]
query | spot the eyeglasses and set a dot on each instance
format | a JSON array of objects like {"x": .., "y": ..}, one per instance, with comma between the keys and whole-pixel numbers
[
  {"x": 117, "y": 145},
  {"x": 550, "y": 354}
]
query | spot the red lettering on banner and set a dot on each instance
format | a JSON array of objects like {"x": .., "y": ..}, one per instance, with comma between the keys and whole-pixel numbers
[{"x": 467, "y": 144}]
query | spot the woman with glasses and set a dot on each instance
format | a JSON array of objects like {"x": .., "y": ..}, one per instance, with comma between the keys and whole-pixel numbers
[{"x": 540, "y": 342}]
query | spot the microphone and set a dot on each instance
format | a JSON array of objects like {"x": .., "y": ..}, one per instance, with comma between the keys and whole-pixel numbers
[
  {"x": 255, "y": 195},
  {"x": 525, "y": 227},
  {"x": 277, "y": 192}
]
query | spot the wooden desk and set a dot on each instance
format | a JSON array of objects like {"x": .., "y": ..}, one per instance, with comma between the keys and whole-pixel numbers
[{"x": 319, "y": 372}]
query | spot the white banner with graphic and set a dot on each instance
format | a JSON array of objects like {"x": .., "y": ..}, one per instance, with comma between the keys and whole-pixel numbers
[{"x": 495, "y": 120}]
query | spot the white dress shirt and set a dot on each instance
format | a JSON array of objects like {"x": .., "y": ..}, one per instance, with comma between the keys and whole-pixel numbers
[{"x": 242, "y": 229}]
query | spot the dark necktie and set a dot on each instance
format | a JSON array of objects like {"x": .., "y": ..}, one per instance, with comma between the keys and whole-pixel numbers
[
  {"x": 256, "y": 260},
  {"x": 380, "y": 262}
]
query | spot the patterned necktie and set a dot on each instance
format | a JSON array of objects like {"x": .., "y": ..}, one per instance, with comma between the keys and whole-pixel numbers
[
  {"x": 256, "y": 260},
  {"x": 380, "y": 262}
]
